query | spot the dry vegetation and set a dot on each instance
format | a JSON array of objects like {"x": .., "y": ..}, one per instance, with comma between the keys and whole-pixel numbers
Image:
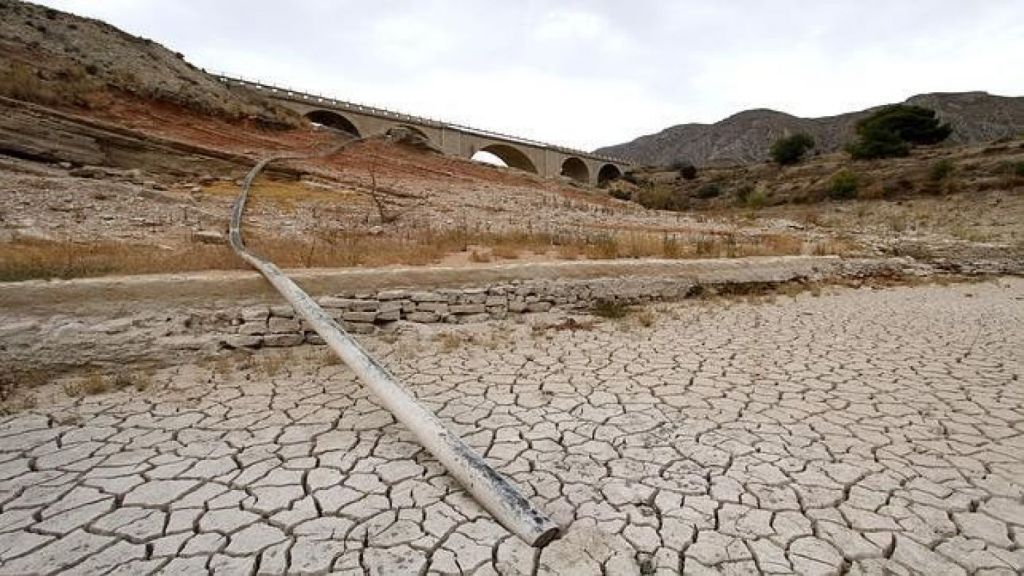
[
  {"x": 930, "y": 172},
  {"x": 21, "y": 390},
  {"x": 960, "y": 203},
  {"x": 34, "y": 259},
  {"x": 58, "y": 59},
  {"x": 333, "y": 224},
  {"x": 16, "y": 390},
  {"x": 71, "y": 86},
  {"x": 97, "y": 382},
  {"x": 569, "y": 324},
  {"x": 450, "y": 340}
]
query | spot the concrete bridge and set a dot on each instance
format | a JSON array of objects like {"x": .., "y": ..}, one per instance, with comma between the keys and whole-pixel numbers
[{"x": 540, "y": 158}]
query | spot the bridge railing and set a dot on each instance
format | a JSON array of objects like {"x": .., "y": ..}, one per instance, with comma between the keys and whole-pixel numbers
[{"x": 292, "y": 93}]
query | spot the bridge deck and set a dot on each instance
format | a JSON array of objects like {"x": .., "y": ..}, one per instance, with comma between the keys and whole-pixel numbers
[{"x": 298, "y": 95}]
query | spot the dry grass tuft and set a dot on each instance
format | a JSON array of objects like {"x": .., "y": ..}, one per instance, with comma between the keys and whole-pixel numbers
[
  {"x": 645, "y": 317},
  {"x": 323, "y": 356},
  {"x": 96, "y": 382},
  {"x": 90, "y": 385},
  {"x": 505, "y": 252},
  {"x": 569, "y": 324},
  {"x": 610, "y": 309},
  {"x": 449, "y": 341},
  {"x": 573, "y": 325},
  {"x": 272, "y": 364},
  {"x": 476, "y": 256},
  {"x": 17, "y": 403},
  {"x": 15, "y": 391},
  {"x": 222, "y": 366},
  {"x": 569, "y": 252},
  {"x": 495, "y": 340}
]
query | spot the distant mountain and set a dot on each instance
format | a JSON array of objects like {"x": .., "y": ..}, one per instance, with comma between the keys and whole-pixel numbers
[{"x": 745, "y": 138}]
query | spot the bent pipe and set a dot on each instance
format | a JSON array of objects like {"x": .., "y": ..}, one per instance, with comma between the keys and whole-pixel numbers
[{"x": 492, "y": 490}]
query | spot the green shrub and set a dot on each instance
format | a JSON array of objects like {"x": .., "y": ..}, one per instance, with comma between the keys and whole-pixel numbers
[
  {"x": 659, "y": 197},
  {"x": 1010, "y": 168},
  {"x": 791, "y": 149},
  {"x": 709, "y": 190},
  {"x": 891, "y": 189},
  {"x": 620, "y": 193},
  {"x": 65, "y": 86},
  {"x": 940, "y": 170},
  {"x": 756, "y": 199},
  {"x": 610, "y": 309},
  {"x": 744, "y": 192},
  {"x": 878, "y": 145},
  {"x": 685, "y": 168},
  {"x": 891, "y": 131},
  {"x": 912, "y": 124},
  {"x": 639, "y": 177},
  {"x": 843, "y": 185}
]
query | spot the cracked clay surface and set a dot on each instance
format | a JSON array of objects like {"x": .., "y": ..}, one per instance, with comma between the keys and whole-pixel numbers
[{"x": 859, "y": 432}]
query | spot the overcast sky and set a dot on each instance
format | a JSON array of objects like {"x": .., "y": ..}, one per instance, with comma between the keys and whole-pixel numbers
[{"x": 587, "y": 74}]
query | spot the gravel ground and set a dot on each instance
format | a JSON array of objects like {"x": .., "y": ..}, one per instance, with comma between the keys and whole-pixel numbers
[{"x": 865, "y": 431}]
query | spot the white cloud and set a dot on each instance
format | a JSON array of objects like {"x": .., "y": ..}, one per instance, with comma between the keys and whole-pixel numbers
[
  {"x": 831, "y": 72},
  {"x": 407, "y": 41},
  {"x": 571, "y": 25},
  {"x": 536, "y": 104}
]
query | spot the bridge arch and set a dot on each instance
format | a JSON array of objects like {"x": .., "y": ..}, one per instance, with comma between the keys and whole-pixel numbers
[
  {"x": 333, "y": 120},
  {"x": 511, "y": 156},
  {"x": 576, "y": 169},
  {"x": 607, "y": 173}
]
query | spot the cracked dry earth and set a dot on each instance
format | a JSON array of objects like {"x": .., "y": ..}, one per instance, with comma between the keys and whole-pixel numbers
[{"x": 861, "y": 432}]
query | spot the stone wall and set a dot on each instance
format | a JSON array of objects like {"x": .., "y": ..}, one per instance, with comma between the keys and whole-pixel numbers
[
  {"x": 362, "y": 313},
  {"x": 177, "y": 332}
]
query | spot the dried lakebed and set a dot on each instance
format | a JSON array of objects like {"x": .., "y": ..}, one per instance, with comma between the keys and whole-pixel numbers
[{"x": 866, "y": 431}]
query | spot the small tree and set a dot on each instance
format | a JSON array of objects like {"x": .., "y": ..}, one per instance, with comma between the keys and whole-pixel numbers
[
  {"x": 891, "y": 131},
  {"x": 791, "y": 149},
  {"x": 661, "y": 197},
  {"x": 941, "y": 170},
  {"x": 620, "y": 193},
  {"x": 709, "y": 190},
  {"x": 685, "y": 168},
  {"x": 843, "y": 185},
  {"x": 878, "y": 144}
]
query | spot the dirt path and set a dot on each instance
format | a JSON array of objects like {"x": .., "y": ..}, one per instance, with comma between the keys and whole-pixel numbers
[{"x": 241, "y": 286}]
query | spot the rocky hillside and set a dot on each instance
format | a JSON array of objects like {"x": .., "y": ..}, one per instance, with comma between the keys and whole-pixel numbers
[
  {"x": 59, "y": 59},
  {"x": 745, "y": 138}
]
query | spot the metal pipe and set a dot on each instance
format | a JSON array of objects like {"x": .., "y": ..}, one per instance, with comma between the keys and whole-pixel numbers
[{"x": 492, "y": 490}]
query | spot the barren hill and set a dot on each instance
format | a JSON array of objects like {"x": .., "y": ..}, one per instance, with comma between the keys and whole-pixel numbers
[
  {"x": 745, "y": 137},
  {"x": 60, "y": 59}
]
